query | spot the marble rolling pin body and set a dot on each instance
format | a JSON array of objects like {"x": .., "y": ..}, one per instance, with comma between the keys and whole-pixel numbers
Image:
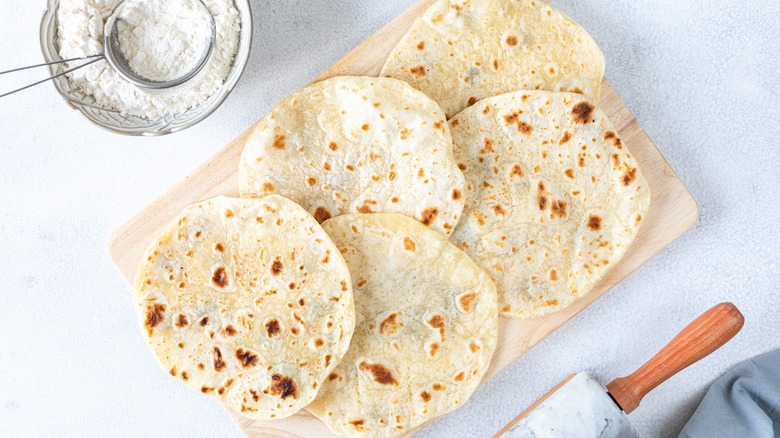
[{"x": 581, "y": 407}]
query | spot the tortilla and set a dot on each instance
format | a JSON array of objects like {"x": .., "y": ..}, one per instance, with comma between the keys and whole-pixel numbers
[
  {"x": 248, "y": 301},
  {"x": 554, "y": 198},
  {"x": 357, "y": 145},
  {"x": 427, "y": 323},
  {"x": 462, "y": 51}
]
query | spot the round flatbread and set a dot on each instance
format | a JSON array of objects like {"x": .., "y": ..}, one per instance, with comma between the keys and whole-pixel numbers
[
  {"x": 427, "y": 324},
  {"x": 248, "y": 301},
  {"x": 357, "y": 145},
  {"x": 462, "y": 51},
  {"x": 554, "y": 198}
]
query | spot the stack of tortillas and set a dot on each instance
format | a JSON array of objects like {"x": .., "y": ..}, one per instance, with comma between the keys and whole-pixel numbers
[{"x": 387, "y": 222}]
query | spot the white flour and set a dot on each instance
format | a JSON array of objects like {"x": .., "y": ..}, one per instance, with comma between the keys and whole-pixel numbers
[
  {"x": 80, "y": 33},
  {"x": 163, "y": 40}
]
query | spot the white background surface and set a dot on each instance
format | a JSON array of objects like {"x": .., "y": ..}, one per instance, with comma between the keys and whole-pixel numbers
[{"x": 701, "y": 77}]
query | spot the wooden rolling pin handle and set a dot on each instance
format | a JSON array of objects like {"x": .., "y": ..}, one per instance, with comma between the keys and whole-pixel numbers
[{"x": 704, "y": 335}]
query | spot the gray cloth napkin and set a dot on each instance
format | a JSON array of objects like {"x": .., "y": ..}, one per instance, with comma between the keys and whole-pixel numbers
[{"x": 745, "y": 402}]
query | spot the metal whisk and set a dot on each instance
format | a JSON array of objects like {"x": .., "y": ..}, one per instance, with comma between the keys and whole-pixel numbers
[{"x": 117, "y": 60}]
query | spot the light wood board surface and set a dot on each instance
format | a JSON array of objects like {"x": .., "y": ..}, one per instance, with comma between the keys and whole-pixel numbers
[{"x": 672, "y": 212}]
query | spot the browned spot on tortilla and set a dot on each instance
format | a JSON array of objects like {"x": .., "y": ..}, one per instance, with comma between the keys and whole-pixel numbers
[
  {"x": 460, "y": 377},
  {"x": 279, "y": 141},
  {"x": 394, "y": 199},
  {"x": 390, "y": 325},
  {"x": 421, "y": 45},
  {"x": 581, "y": 113},
  {"x": 434, "y": 348},
  {"x": 230, "y": 330},
  {"x": 474, "y": 347},
  {"x": 311, "y": 181},
  {"x": 516, "y": 171},
  {"x": 219, "y": 247},
  {"x": 272, "y": 328},
  {"x": 466, "y": 300},
  {"x": 366, "y": 207},
  {"x": 511, "y": 40},
  {"x": 344, "y": 286},
  {"x": 276, "y": 267},
  {"x": 629, "y": 177},
  {"x": 638, "y": 219},
  {"x": 438, "y": 125},
  {"x": 204, "y": 322},
  {"x": 379, "y": 373},
  {"x": 499, "y": 210},
  {"x": 327, "y": 167},
  {"x": 358, "y": 424},
  {"x": 184, "y": 375},
  {"x": 365, "y": 127},
  {"x": 565, "y": 138},
  {"x": 577, "y": 90},
  {"x": 495, "y": 64},
  {"x": 522, "y": 127},
  {"x": 454, "y": 123},
  {"x": 425, "y": 396},
  {"x": 461, "y": 166},
  {"x": 294, "y": 330},
  {"x": 154, "y": 316},
  {"x": 282, "y": 386},
  {"x": 429, "y": 215},
  {"x": 328, "y": 357},
  {"x": 418, "y": 71},
  {"x": 569, "y": 173},
  {"x": 439, "y": 387},
  {"x": 206, "y": 389},
  {"x": 437, "y": 321},
  {"x": 247, "y": 358},
  {"x": 472, "y": 101},
  {"x": 486, "y": 110},
  {"x": 409, "y": 244},
  {"x": 615, "y": 160},
  {"x": 549, "y": 303},
  {"x": 558, "y": 209},
  {"x": 456, "y": 194},
  {"x": 481, "y": 218},
  {"x": 321, "y": 214},
  {"x": 333, "y": 376},
  {"x": 554, "y": 275},
  {"x": 182, "y": 321},
  {"x": 488, "y": 146},
  {"x": 220, "y": 277},
  {"x": 541, "y": 197},
  {"x": 594, "y": 222},
  {"x": 173, "y": 371},
  {"x": 219, "y": 362}
]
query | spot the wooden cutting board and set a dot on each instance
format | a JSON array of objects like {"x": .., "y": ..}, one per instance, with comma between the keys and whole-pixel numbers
[{"x": 672, "y": 212}]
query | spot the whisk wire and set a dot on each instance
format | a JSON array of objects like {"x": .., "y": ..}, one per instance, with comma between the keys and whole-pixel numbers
[
  {"x": 50, "y": 63},
  {"x": 97, "y": 58}
]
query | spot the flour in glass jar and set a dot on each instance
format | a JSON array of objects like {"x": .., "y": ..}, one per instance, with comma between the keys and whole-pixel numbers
[{"x": 161, "y": 39}]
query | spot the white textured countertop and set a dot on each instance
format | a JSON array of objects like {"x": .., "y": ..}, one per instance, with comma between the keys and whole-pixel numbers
[{"x": 702, "y": 77}]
